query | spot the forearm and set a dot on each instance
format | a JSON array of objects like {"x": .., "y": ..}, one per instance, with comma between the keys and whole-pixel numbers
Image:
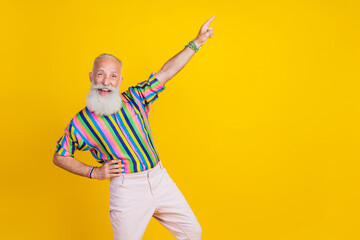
[
  {"x": 176, "y": 63},
  {"x": 71, "y": 164}
]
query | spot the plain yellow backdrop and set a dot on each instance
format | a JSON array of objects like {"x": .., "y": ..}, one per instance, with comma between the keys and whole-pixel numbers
[{"x": 260, "y": 130}]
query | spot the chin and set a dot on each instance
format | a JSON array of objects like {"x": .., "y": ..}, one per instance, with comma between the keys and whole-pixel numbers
[{"x": 103, "y": 105}]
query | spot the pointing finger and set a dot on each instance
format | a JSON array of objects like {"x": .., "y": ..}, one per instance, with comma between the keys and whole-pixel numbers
[{"x": 209, "y": 21}]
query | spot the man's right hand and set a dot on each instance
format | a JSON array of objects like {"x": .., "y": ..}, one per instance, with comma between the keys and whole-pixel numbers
[{"x": 108, "y": 170}]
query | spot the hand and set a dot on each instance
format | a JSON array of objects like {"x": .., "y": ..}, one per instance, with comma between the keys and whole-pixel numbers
[
  {"x": 205, "y": 33},
  {"x": 108, "y": 170}
]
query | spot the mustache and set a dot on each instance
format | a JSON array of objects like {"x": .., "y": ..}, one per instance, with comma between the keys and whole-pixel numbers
[{"x": 102, "y": 86}]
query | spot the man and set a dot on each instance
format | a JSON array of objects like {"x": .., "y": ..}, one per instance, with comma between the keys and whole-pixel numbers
[{"x": 115, "y": 128}]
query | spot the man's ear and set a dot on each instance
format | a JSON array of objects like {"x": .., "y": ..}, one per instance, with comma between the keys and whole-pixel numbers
[{"x": 90, "y": 74}]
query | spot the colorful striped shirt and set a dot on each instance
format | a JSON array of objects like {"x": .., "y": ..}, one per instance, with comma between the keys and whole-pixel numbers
[{"x": 124, "y": 135}]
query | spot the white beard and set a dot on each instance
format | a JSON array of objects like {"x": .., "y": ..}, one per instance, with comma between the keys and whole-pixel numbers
[{"x": 103, "y": 105}]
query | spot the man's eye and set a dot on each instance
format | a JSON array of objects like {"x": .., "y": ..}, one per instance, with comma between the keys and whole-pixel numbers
[
  {"x": 100, "y": 74},
  {"x": 114, "y": 76}
]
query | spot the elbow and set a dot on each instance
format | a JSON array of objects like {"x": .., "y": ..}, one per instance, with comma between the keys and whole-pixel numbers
[
  {"x": 164, "y": 76},
  {"x": 56, "y": 159}
]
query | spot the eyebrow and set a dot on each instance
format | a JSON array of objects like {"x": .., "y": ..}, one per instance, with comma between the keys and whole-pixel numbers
[{"x": 111, "y": 71}]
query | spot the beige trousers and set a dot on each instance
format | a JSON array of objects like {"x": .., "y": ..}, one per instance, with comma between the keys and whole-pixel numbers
[{"x": 136, "y": 197}]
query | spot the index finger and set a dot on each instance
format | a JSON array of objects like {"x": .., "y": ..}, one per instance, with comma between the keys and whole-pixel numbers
[
  {"x": 209, "y": 21},
  {"x": 115, "y": 161}
]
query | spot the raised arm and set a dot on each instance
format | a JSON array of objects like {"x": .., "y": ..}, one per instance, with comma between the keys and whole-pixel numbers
[{"x": 176, "y": 63}]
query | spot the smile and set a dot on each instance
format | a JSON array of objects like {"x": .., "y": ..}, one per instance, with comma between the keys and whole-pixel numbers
[{"x": 104, "y": 92}]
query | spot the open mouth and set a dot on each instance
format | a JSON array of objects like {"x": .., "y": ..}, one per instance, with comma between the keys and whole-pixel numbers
[{"x": 104, "y": 92}]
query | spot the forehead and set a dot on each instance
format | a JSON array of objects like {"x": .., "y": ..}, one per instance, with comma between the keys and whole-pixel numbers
[{"x": 107, "y": 64}]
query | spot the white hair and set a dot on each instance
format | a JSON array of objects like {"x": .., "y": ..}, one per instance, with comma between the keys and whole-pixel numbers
[
  {"x": 104, "y": 105},
  {"x": 103, "y": 55}
]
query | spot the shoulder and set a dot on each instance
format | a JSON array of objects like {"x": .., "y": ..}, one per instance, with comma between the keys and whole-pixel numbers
[
  {"x": 81, "y": 112},
  {"x": 151, "y": 82},
  {"x": 79, "y": 116}
]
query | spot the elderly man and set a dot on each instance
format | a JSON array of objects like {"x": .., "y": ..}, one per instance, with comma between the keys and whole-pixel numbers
[{"x": 115, "y": 128}]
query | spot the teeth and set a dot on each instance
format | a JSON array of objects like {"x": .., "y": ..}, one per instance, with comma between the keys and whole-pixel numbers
[{"x": 107, "y": 90}]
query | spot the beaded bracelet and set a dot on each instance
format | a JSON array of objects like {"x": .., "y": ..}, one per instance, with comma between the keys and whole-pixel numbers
[
  {"x": 193, "y": 46},
  {"x": 90, "y": 172}
]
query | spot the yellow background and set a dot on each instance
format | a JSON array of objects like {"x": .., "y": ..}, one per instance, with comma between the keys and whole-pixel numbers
[{"x": 260, "y": 130}]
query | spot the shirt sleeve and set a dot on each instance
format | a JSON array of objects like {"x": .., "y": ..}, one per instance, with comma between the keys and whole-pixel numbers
[
  {"x": 70, "y": 142},
  {"x": 146, "y": 92}
]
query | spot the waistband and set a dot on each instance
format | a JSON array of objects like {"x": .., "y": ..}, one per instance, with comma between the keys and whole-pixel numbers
[{"x": 142, "y": 174}]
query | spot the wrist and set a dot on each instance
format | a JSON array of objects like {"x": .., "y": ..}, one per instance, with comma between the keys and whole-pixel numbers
[
  {"x": 197, "y": 42},
  {"x": 91, "y": 172},
  {"x": 192, "y": 44},
  {"x": 95, "y": 173}
]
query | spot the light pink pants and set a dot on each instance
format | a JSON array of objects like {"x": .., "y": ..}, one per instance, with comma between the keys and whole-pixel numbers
[{"x": 136, "y": 197}]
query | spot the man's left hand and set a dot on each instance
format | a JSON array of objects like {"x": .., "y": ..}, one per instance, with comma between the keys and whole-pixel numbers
[{"x": 205, "y": 33}]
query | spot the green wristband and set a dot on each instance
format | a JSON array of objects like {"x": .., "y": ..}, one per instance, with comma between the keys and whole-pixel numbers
[
  {"x": 194, "y": 45},
  {"x": 191, "y": 47}
]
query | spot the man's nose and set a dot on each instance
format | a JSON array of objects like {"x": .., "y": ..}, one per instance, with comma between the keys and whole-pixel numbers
[{"x": 106, "y": 81}]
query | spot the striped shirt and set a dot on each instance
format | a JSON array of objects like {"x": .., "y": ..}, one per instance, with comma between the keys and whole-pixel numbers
[{"x": 124, "y": 135}]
